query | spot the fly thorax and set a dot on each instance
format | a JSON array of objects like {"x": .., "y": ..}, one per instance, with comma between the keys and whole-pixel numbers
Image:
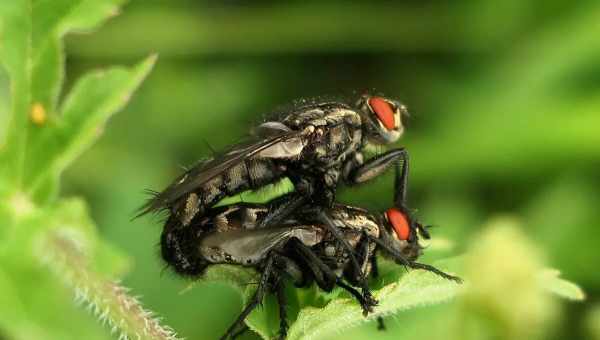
[
  {"x": 357, "y": 221},
  {"x": 290, "y": 148}
]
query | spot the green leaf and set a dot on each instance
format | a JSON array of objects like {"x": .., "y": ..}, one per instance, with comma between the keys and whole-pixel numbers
[
  {"x": 78, "y": 258},
  {"x": 33, "y": 278},
  {"x": 55, "y": 254},
  {"x": 235, "y": 276},
  {"x": 70, "y": 219},
  {"x": 91, "y": 102},
  {"x": 502, "y": 261},
  {"x": 262, "y": 195},
  {"x": 316, "y": 314},
  {"x": 50, "y": 251},
  {"x": 549, "y": 280},
  {"x": 415, "y": 289},
  {"x": 593, "y": 322},
  {"x": 31, "y": 50}
]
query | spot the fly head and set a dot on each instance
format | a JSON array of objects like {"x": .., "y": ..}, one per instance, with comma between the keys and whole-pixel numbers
[
  {"x": 383, "y": 118},
  {"x": 402, "y": 233}
]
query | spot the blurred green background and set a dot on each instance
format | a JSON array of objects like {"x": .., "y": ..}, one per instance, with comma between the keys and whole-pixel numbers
[{"x": 505, "y": 119}]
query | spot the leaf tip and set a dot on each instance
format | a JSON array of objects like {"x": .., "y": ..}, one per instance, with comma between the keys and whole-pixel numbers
[
  {"x": 144, "y": 67},
  {"x": 150, "y": 60},
  {"x": 551, "y": 281}
]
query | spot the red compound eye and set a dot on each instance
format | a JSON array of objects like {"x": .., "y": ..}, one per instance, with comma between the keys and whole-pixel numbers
[
  {"x": 399, "y": 222},
  {"x": 384, "y": 112}
]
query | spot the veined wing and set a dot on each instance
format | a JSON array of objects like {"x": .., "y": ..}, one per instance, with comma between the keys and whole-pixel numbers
[
  {"x": 250, "y": 246},
  {"x": 285, "y": 144}
]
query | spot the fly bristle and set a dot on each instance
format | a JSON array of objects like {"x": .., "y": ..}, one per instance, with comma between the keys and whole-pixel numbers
[
  {"x": 151, "y": 192},
  {"x": 153, "y": 205},
  {"x": 305, "y": 103},
  {"x": 212, "y": 150}
]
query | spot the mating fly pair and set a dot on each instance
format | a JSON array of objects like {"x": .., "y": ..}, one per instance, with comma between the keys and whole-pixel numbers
[{"x": 303, "y": 235}]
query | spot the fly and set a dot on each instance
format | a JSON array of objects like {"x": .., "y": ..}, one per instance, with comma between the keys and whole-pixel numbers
[
  {"x": 314, "y": 145},
  {"x": 297, "y": 247}
]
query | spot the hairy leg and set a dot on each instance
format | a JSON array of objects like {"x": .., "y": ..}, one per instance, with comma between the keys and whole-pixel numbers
[
  {"x": 240, "y": 332},
  {"x": 327, "y": 279},
  {"x": 323, "y": 275},
  {"x": 400, "y": 259},
  {"x": 281, "y": 208},
  {"x": 375, "y": 274},
  {"x": 256, "y": 299},
  {"x": 282, "y": 301},
  {"x": 336, "y": 232},
  {"x": 366, "y": 305},
  {"x": 376, "y": 166}
]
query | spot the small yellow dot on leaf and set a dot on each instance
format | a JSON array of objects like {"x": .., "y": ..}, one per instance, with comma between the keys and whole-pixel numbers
[{"x": 38, "y": 114}]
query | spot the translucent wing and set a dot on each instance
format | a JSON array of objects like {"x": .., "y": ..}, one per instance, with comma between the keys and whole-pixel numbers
[
  {"x": 250, "y": 246},
  {"x": 274, "y": 146}
]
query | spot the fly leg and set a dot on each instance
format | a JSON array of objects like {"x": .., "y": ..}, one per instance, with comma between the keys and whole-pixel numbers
[
  {"x": 337, "y": 234},
  {"x": 367, "y": 250},
  {"x": 400, "y": 259},
  {"x": 378, "y": 165},
  {"x": 375, "y": 273},
  {"x": 288, "y": 204},
  {"x": 323, "y": 275},
  {"x": 356, "y": 295},
  {"x": 374, "y": 266},
  {"x": 256, "y": 299},
  {"x": 400, "y": 185},
  {"x": 282, "y": 301},
  {"x": 319, "y": 187},
  {"x": 281, "y": 208},
  {"x": 326, "y": 278},
  {"x": 291, "y": 268},
  {"x": 366, "y": 306},
  {"x": 365, "y": 253},
  {"x": 285, "y": 265},
  {"x": 237, "y": 334}
]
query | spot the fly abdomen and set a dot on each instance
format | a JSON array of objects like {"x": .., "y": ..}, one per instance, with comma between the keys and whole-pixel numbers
[
  {"x": 196, "y": 203},
  {"x": 250, "y": 174},
  {"x": 262, "y": 172},
  {"x": 179, "y": 248}
]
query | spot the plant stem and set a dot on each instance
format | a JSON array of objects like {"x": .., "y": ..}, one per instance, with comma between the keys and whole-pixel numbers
[{"x": 106, "y": 299}]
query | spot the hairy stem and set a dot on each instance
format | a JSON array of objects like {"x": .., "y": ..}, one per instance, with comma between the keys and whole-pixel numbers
[{"x": 106, "y": 299}]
